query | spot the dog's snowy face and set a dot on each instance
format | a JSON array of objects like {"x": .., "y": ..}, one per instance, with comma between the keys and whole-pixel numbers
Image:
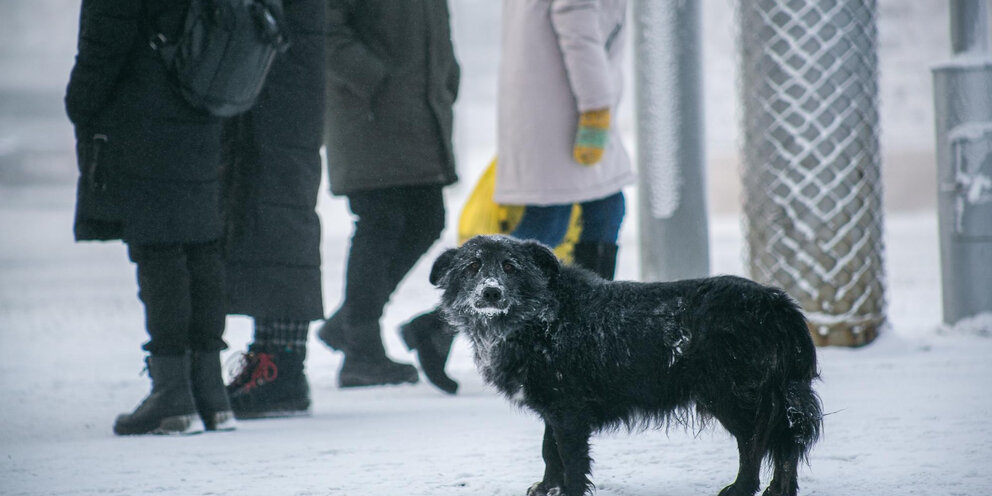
[{"x": 493, "y": 278}]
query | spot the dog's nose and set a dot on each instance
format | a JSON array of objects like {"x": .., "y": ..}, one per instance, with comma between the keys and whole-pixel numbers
[{"x": 491, "y": 294}]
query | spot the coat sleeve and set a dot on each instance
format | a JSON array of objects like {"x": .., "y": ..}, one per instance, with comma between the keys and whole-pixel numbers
[
  {"x": 454, "y": 79},
  {"x": 577, "y": 26},
  {"x": 349, "y": 60},
  {"x": 108, "y": 30}
]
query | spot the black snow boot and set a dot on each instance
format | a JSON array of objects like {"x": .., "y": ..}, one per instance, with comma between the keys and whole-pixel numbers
[
  {"x": 169, "y": 408},
  {"x": 365, "y": 360},
  {"x": 270, "y": 384},
  {"x": 431, "y": 338},
  {"x": 332, "y": 333},
  {"x": 600, "y": 258},
  {"x": 209, "y": 391},
  {"x": 365, "y": 370},
  {"x": 366, "y": 363}
]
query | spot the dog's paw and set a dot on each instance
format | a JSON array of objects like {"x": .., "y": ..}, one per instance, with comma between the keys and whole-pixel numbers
[
  {"x": 737, "y": 490},
  {"x": 539, "y": 489}
]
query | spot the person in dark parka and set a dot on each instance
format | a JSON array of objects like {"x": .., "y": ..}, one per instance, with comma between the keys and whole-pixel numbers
[
  {"x": 149, "y": 175},
  {"x": 272, "y": 170},
  {"x": 392, "y": 81}
]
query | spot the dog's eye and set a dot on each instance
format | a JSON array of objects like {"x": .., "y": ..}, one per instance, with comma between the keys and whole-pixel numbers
[
  {"x": 509, "y": 268},
  {"x": 474, "y": 266}
]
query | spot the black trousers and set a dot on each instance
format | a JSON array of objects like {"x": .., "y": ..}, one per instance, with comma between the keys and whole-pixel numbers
[
  {"x": 394, "y": 227},
  {"x": 182, "y": 288}
]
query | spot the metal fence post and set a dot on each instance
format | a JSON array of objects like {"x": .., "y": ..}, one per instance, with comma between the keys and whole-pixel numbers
[
  {"x": 963, "y": 114},
  {"x": 674, "y": 234},
  {"x": 811, "y": 172}
]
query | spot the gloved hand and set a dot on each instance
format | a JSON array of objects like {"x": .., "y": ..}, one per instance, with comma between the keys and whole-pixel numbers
[{"x": 592, "y": 135}]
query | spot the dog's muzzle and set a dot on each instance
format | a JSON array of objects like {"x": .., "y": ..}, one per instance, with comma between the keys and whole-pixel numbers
[{"x": 490, "y": 299}]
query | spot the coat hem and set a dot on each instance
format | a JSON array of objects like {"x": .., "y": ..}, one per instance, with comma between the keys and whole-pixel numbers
[{"x": 545, "y": 197}]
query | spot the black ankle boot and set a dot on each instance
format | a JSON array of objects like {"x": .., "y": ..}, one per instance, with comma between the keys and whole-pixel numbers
[
  {"x": 169, "y": 408},
  {"x": 363, "y": 371},
  {"x": 366, "y": 363},
  {"x": 332, "y": 332},
  {"x": 209, "y": 391},
  {"x": 270, "y": 384},
  {"x": 430, "y": 337},
  {"x": 600, "y": 258}
]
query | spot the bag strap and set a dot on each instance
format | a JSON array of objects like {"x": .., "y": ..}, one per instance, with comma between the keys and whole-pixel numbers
[{"x": 157, "y": 39}]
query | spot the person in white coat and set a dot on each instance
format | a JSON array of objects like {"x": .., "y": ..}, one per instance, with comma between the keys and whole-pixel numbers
[{"x": 560, "y": 81}]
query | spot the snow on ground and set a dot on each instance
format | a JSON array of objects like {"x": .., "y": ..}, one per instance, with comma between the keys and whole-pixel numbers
[{"x": 909, "y": 414}]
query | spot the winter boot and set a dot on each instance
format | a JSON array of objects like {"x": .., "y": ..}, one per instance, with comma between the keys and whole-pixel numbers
[
  {"x": 600, "y": 258},
  {"x": 209, "y": 392},
  {"x": 366, "y": 363},
  {"x": 363, "y": 371},
  {"x": 169, "y": 408},
  {"x": 270, "y": 384},
  {"x": 430, "y": 337},
  {"x": 332, "y": 332}
]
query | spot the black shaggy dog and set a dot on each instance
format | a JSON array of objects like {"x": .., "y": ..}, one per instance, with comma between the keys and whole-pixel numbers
[{"x": 587, "y": 354}]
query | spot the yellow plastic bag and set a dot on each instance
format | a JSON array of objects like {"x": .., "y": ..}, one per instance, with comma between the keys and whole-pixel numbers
[{"x": 481, "y": 215}]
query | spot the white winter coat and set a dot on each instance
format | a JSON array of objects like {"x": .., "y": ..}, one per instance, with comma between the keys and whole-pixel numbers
[{"x": 559, "y": 58}]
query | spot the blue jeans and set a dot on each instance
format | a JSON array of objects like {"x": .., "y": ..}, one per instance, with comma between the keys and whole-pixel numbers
[{"x": 548, "y": 224}]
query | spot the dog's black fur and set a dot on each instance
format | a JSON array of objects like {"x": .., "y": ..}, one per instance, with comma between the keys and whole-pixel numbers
[{"x": 587, "y": 354}]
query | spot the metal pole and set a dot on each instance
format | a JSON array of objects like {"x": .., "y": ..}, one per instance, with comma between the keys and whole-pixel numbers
[
  {"x": 674, "y": 235},
  {"x": 963, "y": 113},
  {"x": 969, "y": 27}
]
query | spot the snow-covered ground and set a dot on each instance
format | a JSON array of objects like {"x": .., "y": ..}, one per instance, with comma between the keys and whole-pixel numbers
[{"x": 908, "y": 415}]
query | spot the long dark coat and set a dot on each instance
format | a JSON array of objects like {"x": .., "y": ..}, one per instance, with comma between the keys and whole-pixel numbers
[
  {"x": 392, "y": 80},
  {"x": 155, "y": 179},
  {"x": 272, "y": 177}
]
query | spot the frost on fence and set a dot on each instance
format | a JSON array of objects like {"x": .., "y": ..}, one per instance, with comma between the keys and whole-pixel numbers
[{"x": 812, "y": 186}]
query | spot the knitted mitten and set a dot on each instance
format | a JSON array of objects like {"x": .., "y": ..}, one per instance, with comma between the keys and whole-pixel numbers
[{"x": 591, "y": 138}]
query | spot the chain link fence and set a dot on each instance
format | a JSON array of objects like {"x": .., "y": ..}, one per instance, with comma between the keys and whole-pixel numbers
[{"x": 811, "y": 172}]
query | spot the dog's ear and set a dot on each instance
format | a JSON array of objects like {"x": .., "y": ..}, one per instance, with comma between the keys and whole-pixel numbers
[
  {"x": 544, "y": 258},
  {"x": 442, "y": 266}
]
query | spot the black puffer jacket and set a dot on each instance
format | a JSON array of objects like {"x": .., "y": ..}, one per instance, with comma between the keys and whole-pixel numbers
[
  {"x": 392, "y": 80},
  {"x": 272, "y": 177},
  {"x": 155, "y": 179}
]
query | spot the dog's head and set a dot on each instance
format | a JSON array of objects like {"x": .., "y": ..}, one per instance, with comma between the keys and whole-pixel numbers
[{"x": 495, "y": 278}]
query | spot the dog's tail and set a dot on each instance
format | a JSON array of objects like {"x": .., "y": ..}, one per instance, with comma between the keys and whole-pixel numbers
[
  {"x": 804, "y": 416},
  {"x": 803, "y": 410}
]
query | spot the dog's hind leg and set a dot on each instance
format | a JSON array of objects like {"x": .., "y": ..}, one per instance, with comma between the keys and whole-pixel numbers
[
  {"x": 798, "y": 428},
  {"x": 786, "y": 452},
  {"x": 784, "y": 482},
  {"x": 747, "y": 483},
  {"x": 554, "y": 471},
  {"x": 751, "y": 427}
]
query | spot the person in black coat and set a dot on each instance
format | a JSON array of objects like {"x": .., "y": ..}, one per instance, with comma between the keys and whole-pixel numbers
[
  {"x": 392, "y": 81},
  {"x": 149, "y": 175},
  {"x": 272, "y": 170}
]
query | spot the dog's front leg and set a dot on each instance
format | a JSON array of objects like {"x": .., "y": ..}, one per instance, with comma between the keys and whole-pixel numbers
[
  {"x": 554, "y": 475},
  {"x": 572, "y": 439}
]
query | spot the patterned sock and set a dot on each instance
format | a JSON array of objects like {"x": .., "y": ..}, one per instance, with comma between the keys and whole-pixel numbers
[
  {"x": 591, "y": 138},
  {"x": 281, "y": 335}
]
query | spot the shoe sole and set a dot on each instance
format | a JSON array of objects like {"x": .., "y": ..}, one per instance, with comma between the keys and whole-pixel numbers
[
  {"x": 272, "y": 414},
  {"x": 221, "y": 422},
  {"x": 179, "y": 425},
  {"x": 277, "y": 410},
  {"x": 353, "y": 382}
]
